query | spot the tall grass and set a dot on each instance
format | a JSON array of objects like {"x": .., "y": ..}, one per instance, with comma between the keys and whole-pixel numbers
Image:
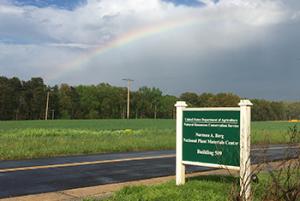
[
  {"x": 36, "y": 139},
  {"x": 105, "y": 124},
  {"x": 36, "y": 143}
]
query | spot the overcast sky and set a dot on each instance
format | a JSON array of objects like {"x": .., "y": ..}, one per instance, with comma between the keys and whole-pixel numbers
[{"x": 248, "y": 47}]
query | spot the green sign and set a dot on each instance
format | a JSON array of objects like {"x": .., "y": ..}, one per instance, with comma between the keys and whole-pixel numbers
[{"x": 211, "y": 137}]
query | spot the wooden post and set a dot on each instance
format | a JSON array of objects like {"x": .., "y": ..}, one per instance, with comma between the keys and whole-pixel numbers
[
  {"x": 180, "y": 168},
  {"x": 128, "y": 96},
  {"x": 47, "y": 106},
  {"x": 245, "y": 163},
  {"x": 128, "y": 100}
]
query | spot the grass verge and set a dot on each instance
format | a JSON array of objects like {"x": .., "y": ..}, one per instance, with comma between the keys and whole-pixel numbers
[{"x": 203, "y": 188}]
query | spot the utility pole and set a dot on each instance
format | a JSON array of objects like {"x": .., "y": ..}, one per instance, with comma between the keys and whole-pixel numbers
[
  {"x": 128, "y": 95},
  {"x": 47, "y": 106}
]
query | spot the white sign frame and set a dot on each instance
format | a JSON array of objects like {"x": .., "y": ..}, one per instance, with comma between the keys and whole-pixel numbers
[{"x": 245, "y": 131}]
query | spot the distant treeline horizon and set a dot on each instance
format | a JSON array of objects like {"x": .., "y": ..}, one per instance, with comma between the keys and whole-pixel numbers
[{"x": 26, "y": 100}]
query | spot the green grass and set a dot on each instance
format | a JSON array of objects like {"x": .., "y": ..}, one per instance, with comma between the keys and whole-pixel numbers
[
  {"x": 37, "y": 139},
  {"x": 203, "y": 188},
  {"x": 115, "y": 124},
  {"x": 37, "y": 143},
  {"x": 271, "y": 132}
]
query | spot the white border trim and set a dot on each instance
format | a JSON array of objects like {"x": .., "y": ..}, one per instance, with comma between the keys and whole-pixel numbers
[
  {"x": 211, "y": 165},
  {"x": 180, "y": 168},
  {"x": 213, "y": 109}
]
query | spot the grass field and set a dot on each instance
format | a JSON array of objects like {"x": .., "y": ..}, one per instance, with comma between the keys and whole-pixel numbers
[
  {"x": 203, "y": 188},
  {"x": 36, "y": 139}
]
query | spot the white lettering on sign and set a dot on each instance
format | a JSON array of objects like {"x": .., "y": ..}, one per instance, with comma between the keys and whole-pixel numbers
[
  {"x": 190, "y": 140},
  {"x": 231, "y": 143},
  {"x": 221, "y": 142},
  {"x": 205, "y": 152},
  {"x": 218, "y": 153},
  {"x": 200, "y": 141},
  {"x": 219, "y": 136},
  {"x": 204, "y": 120},
  {"x": 202, "y": 135}
]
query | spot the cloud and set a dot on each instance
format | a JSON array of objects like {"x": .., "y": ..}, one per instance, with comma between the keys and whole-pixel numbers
[{"x": 242, "y": 39}]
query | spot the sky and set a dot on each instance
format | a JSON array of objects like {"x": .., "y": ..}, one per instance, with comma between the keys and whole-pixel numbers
[{"x": 247, "y": 47}]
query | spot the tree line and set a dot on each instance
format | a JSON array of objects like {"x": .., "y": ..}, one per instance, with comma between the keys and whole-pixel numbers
[{"x": 26, "y": 100}]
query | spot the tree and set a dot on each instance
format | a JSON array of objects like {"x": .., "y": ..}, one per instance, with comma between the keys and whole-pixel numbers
[
  {"x": 27, "y": 100},
  {"x": 9, "y": 98},
  {"x": 225, "y": 100},
  {"x": 192, "y": 99},
  {"x": 292, "y": 110},
  {"x": 262, "y": 110},
  {"x": 148, "y": 102},
  {"x": 167, "y": 108},
  {"x": 206, "y": 100},
  {"x": 89, "y": 101},
  {"x": 33, "y": 101},
  {"x": 69, "y": 102},
  {"x": 279, "y": 109}
]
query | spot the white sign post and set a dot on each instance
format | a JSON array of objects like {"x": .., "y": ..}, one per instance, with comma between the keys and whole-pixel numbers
[
  {"x": 180, "y": 167},
  {"x": 244, "y": 142},
  {"x": 245, "y": 163}
]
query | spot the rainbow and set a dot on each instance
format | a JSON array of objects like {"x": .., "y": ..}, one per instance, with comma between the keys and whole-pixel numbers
[{"x": 131, "y": 37}]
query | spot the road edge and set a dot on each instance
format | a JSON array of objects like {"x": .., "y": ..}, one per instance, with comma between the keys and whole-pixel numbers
[{"x": 102, "y": 191}]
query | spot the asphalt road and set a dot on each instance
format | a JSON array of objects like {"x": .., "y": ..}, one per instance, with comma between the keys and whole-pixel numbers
[{"x": 56, "y": 174}]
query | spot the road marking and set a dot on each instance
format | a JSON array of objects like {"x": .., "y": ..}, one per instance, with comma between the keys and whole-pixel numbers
[
  {"x": 115, "y": 160},
  {"x": 84, "y": 163}
]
